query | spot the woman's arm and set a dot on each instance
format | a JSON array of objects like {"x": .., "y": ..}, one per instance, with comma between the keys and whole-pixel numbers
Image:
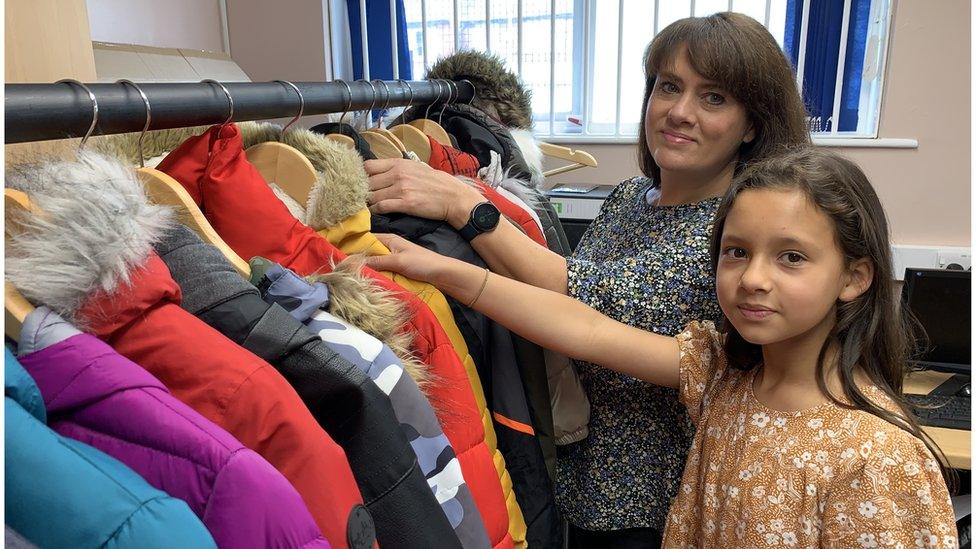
[
  {"x": 415, "y": 188},
  {"x": 546, "y": 318}
]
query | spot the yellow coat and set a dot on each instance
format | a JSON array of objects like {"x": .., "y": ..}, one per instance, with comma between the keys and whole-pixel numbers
[{"x": 352, "y": 235}]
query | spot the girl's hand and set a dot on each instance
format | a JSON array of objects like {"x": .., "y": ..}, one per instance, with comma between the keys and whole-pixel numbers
[
  {"x": 409, "y": 259},
  {"x": 397, "y": 185}
]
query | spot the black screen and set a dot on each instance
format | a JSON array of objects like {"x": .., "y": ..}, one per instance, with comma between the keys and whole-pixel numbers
[{"x": 940, "y": 300}]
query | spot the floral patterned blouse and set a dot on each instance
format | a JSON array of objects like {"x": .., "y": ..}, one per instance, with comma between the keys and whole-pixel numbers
[
  {"x": 647, "y": 266},
  {"x": 822, "y": 477}
]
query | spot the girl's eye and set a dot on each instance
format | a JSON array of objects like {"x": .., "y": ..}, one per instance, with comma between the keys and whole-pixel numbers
[
  {"x": 735, "y": 253},
  {"x": 713, "y": 98},
  {"x": 793, "y": 258}
]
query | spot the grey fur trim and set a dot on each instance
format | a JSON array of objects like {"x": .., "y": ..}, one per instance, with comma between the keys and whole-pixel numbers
[
  {"x": 97, "y": 227},
  {"x": 342, "y": 183},
  {"x": 374, "y": 310},
  {"x": 499, "y": 92}
]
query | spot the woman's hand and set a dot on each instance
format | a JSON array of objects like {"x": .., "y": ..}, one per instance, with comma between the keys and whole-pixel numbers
[
  {"x": 404, "y": 186},
  {"x": 409, "y": 259}
]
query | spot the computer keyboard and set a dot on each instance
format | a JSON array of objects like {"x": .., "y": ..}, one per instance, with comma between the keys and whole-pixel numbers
[{"x": 951, "y": 412}]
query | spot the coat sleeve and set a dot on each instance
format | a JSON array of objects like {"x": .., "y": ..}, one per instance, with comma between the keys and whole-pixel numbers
[{"x": 253, "y": 504}]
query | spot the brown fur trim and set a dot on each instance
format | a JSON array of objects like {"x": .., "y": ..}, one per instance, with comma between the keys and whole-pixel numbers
[
  {"x": 373, "y": 310},
  {"x": 125, "y": 146},
  {"x": 499, "y": 92}
]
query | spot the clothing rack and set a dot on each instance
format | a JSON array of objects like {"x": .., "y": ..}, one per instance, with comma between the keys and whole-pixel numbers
[{"x": 37, "y": 112}]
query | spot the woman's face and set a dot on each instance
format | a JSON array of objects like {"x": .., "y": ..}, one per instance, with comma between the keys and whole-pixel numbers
[{"x": 693, "y": 125}]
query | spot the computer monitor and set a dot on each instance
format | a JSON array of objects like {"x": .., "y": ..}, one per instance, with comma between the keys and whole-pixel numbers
[{"x": 940, "y": 300}]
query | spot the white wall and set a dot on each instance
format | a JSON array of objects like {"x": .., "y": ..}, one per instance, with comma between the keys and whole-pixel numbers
[{"x": 188, "y": 24}]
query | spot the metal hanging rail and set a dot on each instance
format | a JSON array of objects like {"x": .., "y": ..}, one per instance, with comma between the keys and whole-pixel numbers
[{"x": 37, "y": 112}]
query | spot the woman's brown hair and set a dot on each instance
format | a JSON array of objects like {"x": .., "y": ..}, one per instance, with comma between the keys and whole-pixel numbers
[
  {"x": 872, "y": 333},
  {"x": 739, "y": 54}
]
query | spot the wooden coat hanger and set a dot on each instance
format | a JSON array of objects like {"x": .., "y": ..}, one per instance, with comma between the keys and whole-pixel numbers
[
  {"x": 381, "y": 146},
  {"x": 15, "y": 305},
  {"x": 380, "y": 130},
  {"x": 338, "y": 137},
  {"x": 412, "y": 138},
  {"x": 163, "y": 189},
  {"x": 430, "y": 128},
  {"x": 580, "y": 159},
  {"x": 282, "y": 164}
]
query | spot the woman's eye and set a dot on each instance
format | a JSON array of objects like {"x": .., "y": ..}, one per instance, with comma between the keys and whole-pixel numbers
[
  {"x": 793, "y": 258},
  {"x": 713, "y": 98},
  {"x": 667, "y": 87}
]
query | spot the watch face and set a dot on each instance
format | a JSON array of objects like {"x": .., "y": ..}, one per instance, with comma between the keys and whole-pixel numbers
[{"x": 485, "y": 217}]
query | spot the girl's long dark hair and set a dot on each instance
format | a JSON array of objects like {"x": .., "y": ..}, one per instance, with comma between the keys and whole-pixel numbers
[{"x": 872, "y": 332}]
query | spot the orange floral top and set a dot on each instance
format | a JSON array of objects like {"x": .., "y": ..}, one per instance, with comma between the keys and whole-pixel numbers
[{"x": 821, "y": 477}]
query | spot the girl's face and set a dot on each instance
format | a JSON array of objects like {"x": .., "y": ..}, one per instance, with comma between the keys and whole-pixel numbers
[
  {"x": 693, "y": 125},
  {"x": 781, "y": 271}
]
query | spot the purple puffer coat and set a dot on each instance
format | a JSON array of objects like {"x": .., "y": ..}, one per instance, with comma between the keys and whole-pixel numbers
[{"x": 99, "y": 397}]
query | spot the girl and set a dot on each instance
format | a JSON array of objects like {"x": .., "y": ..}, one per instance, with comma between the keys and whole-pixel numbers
[
  {"x": 719, "y": 92},
  {"x": 802, "y": 436}
]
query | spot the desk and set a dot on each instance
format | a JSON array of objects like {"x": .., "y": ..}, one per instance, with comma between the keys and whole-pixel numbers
[{"x": 955, "y": 443}]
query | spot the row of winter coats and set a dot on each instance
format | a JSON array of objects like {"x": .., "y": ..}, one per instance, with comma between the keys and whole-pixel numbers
[{"x": 312, "y": 403}]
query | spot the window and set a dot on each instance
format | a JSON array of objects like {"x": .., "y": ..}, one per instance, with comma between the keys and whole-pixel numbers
[{"x": 582, "y": 58}]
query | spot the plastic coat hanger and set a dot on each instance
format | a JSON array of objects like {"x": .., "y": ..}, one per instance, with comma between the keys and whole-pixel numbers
[
  {"x": 428, "y": 126},
  {"x": 163, "y": 189},
  {"x": 413, "y": 139},
  {"x": 379, "y": 129},
  {"x": 379, "y": 144},
  {"x": 338, "y": 137},
  {"x": 282, "y": 164},
  {"x": 580, "y": 159}
]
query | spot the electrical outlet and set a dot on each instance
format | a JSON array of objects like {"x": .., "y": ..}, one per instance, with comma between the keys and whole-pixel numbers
[
  {"x": 955, "y": 259},
  {"x": 929, "y": 257}
]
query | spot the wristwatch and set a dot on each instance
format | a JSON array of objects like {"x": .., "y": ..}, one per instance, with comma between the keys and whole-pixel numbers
[{"x": 484, "y": 218}]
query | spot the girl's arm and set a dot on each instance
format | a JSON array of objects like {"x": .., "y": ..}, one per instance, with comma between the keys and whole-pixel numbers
[
  {"x": 549, "y": 319},
  {"x": 414, "y": 188}
]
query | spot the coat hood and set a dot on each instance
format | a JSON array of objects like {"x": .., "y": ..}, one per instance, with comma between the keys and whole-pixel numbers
[
  {"x": 342, "y": 182},
  {"x": 347, "y": 294},
  {"x": 73, "y": 373},
  {"x": 96, "y": 231},
  {"x": 498, "y": 91}
]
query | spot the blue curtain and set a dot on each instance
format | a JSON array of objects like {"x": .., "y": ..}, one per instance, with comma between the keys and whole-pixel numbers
[
  {"x": 378, "y": 35},
  {"x": 822, "y": 49}
]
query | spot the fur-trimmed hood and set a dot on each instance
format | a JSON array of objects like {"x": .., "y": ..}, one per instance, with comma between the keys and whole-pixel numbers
[
  {"x": 499, "y": 92},
  {"x": 342, "y": 182},
  {"x": 96, "y": 230}
]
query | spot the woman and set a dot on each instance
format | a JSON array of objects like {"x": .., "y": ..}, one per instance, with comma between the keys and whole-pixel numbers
[{"x": 719, "y": 93}]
